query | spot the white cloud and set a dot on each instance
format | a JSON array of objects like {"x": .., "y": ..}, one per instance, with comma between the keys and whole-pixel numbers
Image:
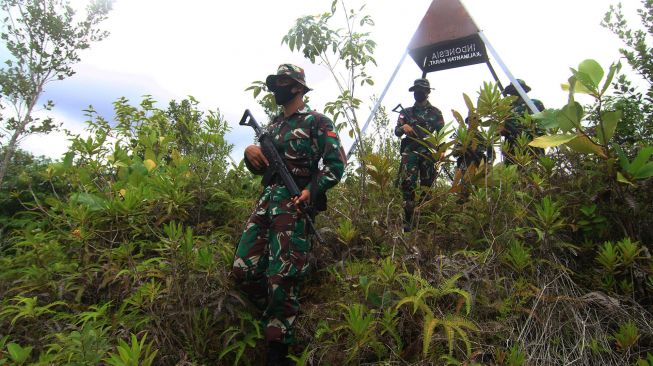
[{"x": 54, "y": 144}]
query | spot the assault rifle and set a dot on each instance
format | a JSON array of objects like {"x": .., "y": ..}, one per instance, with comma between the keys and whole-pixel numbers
[
  {"x": 419, "y": 133},
  {"x": 279, "y": 167}
]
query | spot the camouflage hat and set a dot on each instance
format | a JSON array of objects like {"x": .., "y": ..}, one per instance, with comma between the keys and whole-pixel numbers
[
  {"x": 511, "y": 90},
  {"x": 420, "y": 83},
  {"x": 287, "y": 70}
]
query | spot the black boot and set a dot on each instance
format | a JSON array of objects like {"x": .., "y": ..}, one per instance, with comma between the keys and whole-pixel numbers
[
  {"x": 408, "y": 216},
  {"x": 278, "y": 354}
]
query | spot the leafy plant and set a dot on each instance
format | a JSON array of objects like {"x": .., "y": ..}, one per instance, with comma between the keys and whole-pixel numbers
[
  {"x": 238, "y": 338},
  {"x": 609, "y": 257},
  {"x": 640, "y": 168},
  {"x": 18, "y": 354},
  {"x": 451, "y": 325},
  {"x": 346, "y": 231},
  {"x": 86, "y": 346},
  {"x": 629, "y": 251},
  {"x": 417, "y": 291},
  {"x": 381, "y": 170},
  {"x": 27, "y": 307},
  {"x": 137, "y": 354},
  {"x": 518, "y": 256},
  {"x": 548, "y": 219},
  {"x": 627, "y": 336},
  {"x": 646, "y": 362},
  {"x": 514, "y": 357},
  {"x": 360, "y": 325},
  {"x": 591, "y": 220}
]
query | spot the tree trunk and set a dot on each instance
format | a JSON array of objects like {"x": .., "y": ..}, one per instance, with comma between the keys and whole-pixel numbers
[
  {"x": 11, "y": 147},
  {"x": 10, "y": 150}
]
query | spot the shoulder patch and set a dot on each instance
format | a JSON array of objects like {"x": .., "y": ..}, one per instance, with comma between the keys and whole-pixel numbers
[{"x": 331, "y": 134}]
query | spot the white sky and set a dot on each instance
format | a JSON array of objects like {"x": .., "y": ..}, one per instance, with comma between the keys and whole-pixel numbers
[{"x": 213, "y": 50}]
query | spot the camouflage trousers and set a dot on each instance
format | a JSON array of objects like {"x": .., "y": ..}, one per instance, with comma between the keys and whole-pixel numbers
[
  {"x": 271, "y": 261},
  {"x": 414, "y": 166}
]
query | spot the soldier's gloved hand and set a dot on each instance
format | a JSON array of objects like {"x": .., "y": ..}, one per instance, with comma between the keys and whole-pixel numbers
[
  {"x": 255, "y": 156},
  {"x": 408, "y": 130},
  {"x": 305, "y": 196}
]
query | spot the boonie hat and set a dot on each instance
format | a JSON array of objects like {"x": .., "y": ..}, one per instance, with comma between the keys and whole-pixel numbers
[
  {"x": 287, "y": 70},
  {"x": 420, "y": 83}
]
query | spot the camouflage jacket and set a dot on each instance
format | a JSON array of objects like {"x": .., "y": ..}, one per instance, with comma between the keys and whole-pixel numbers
[
  {"x": 304, "y": 139},
  {"x": 513, "y": 126},
  {"x": 427, "y": 116},
  {"x": 477, "y": 150}
]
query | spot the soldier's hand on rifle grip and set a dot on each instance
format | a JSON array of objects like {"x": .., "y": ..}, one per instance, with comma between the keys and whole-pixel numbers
[
  {"x": 305, "y": 196},
  {"x": 408, "y": 130},
  {"x": 255, "y": 156}
]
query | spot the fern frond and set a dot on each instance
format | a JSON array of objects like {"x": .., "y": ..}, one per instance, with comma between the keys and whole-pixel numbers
[{"x": 427, "y": 332}]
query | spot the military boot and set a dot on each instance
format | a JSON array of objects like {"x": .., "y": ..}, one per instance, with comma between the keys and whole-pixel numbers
[
  {"x": 278, "y": 354},
  {"x": 408, "y": 216}
]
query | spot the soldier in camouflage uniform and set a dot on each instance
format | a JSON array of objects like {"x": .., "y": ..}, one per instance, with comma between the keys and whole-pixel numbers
[
  {"x": 513, "y": 126},
  {"x": 271, "y": 258},
  {"x": 415, "y": 163},
  {"x": 469, "y": 155},
  {"x": 479, "y": 150}
]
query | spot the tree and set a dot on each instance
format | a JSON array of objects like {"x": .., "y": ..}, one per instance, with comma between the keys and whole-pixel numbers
[
  {"x": 345, "y": 52},
  {"x": 44, "y": 39},
  {"x": 637, "y": 123}
]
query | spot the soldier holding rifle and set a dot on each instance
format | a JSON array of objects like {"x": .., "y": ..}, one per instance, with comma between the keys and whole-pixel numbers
[
  {"x": 415, "y": 163},
  {"x": 272, "y": 255}
]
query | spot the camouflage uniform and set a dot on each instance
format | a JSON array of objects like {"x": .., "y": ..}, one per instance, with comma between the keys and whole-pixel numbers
[
  {"x": 477, "y": 151},
  {"x": 513, "y": 127},
  {"x": 271, "y": 258},
  {"x": 414, "y": 156}
]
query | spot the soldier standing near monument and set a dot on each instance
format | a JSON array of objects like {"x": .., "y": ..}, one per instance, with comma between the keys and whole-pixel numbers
[
  {"x": 514, "y": 126},
  {"x": 415, "y": 164}
]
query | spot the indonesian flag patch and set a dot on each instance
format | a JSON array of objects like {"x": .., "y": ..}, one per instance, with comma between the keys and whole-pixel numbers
[{"x": 331, "y": 134}]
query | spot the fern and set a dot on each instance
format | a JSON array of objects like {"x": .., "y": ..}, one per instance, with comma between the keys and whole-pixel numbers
[{"x": 451, "y": 325}]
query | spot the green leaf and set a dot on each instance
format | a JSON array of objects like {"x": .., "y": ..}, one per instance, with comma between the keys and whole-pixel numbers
[
  {"x": 570, "y": 116},
  {"x": 622, "y": 179},
  {"x": 642, "y": 158},
  {"x": 593, "y": 71},
  {"x": 149, "y": 155},
  {"x": 468, "y": 102},
  {"x": 578, "y": 87},
  {"x": 68, "y": 159},
  {"x": 645, "y": 172},
  {"x": 93, "y": 202},
  {"x": 458, "y": 118},
  {"x": 17, "y": 353},
  {"x": 551, "y": 140},
  {"x": 291, "y": 43},
  {"x": 586, "y": 82},
  {"x": 582, "y": 144},
  {"x": 614, "y": 68},
  {"x": 547, "y": 118},
  {"x": 623, "y": 160},
  {"x": 609, "y": 121}
]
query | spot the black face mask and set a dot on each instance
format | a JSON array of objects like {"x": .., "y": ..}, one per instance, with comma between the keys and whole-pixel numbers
[
  {"x": 420, "y": 96},
  {"x": 283, "y": 94}
]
